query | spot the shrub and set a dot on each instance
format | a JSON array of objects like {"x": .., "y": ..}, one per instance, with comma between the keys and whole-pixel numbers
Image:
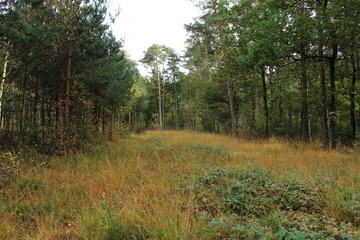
[
  {"x": 10, "y": 168},
  {"x": 258, "y": 206},
  {"x": 352, "y": 206}
]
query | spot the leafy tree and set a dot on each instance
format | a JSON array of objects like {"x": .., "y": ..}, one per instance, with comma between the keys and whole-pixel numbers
[
  {"x": 67, "y": 77},
  {"x": 289, "y": 51}
]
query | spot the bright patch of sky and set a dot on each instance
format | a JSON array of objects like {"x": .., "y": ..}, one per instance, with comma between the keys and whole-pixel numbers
[{"x": 144, "y": 22}]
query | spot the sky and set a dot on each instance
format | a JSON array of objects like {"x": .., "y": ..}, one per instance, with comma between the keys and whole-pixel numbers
[{"x": 144, "y": 22}]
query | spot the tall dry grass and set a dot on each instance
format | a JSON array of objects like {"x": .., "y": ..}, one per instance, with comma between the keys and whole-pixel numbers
[{"x": 138, "y": 186}]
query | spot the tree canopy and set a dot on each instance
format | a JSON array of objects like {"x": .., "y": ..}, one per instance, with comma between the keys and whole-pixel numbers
[{"x": 252, "y": 68}]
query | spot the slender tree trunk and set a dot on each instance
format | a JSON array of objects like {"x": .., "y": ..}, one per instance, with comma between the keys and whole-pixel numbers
[
  {"x": 135, "y": 121},
  {"x": 176, "y": 105},
  {"x": 43, "y": 123},
  {"x": 129, "y": 120},
  {"x": 35, "y": 110},
  {"x": 98, "y": 118},
  {"x": 352, "y": 100},
  {"x": 253, "y": 112},
  {"x": 305, "y": 133},
  {"x": 257, "y": 106},
  {"x": 103, "y": 120},
  {"x": 60, "y": 95},
  {"x": 67, "y": 85},
  {"x": 196, "y": 109},
  {"x": 321, "y": 8},
  {"x": 325, "y": 120},
  {"x": 159, "y": 91},
  {"x": 49, "y": 114},
  {"x": 21, "y": 123},
  {"x": 232, "y": 107},
  {"x": 112, "y": 120},
  {"x": 2, "y": 81},
  {"x": 332, "y": 106},
  {"x": 163, "y": 100},
  {"x": 281, "y": 110},
  {"x": 290, "y": 122},
  {"x": 265, "y": 99}
]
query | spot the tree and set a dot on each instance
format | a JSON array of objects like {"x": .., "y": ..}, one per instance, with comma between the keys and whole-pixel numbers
[
  {"x": 153, "y": 58},
  {"x": 286, "y": 50},
  {"x": 64, "y": 74}
]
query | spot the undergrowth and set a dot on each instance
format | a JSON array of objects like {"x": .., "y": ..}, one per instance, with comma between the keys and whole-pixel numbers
[
  {"x": 182, "y": 186},
  {"x": 255, "y": 205}
]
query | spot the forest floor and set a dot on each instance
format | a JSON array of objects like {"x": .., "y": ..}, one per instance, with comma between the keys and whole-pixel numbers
[{"x": 184, "y": 185}]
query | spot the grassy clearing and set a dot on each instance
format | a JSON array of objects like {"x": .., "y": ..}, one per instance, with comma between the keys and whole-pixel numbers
[{"x": 185, "y": 185}]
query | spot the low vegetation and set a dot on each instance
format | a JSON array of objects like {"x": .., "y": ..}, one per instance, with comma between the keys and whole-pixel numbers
[{"x": 185, "y": 185}]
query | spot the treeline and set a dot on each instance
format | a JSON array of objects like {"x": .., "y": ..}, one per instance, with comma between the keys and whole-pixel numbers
[
  {"x": 269, "y": 68},
  {"x": 65, "y": 78},
  {"x": 251, "y": 68}
]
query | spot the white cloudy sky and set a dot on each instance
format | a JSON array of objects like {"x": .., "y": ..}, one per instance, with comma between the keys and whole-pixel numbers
[{"x": 144, "y": 22}]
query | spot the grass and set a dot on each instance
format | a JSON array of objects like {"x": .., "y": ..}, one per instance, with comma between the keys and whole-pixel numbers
[{"x": 185, "y": 185}]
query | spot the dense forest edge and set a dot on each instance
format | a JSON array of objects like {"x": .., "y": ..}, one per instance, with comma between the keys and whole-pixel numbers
[{"x": 251, "y": 69}]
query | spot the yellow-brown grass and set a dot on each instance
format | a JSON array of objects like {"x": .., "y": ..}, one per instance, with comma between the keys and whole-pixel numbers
[{"x": 138, "y": 183}]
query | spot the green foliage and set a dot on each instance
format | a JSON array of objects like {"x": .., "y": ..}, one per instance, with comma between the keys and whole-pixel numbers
[
  {"x": 351, "y": 206},
  {"x": 258, "y": 50},
  {"x": 29, "y": 183},
  {"x": 55, "y": 67},
  {"x": 258, "y": 206},
  {"x": 10, "y": 168},
  {"x": 114, "y": 230}
]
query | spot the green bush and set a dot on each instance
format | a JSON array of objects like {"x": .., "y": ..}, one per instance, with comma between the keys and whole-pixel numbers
[
  {"x": 351, "y": 206},
  {"x": 10, "y": 168},
  {"x": 259, "y": 206}
]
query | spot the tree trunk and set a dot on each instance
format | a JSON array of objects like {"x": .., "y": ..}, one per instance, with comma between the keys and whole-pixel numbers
[
  {"x": 196, "y": 110},
  {"x": 43, "y": 123},
  {"x": 135, "y": 121},
  {"x": 325, "y": 120},
  {"x": 253, "y": 114},
  {"x": 352, "y": 101},
  {"x": 35, "y": 110},
  {"x": 159, "y": 93},
  {"x": 305, "y": 133},
  {"x": 257, "y": 107},
  {"x": 23, "y": 103},
  {"x": 232, "y": 107},
  {"x": 60, "y": 95},
  {"x": 49, "y": 114},
  {"x": 163, "y": 101},
  {"x": 67, "y": 85},
  {"x": 2, "y": 82},
  {"x": 290, "y": 122},
  {"x": 98, "y": 118},
  {"x": 332, "y": 106},
  {"x": 129, "y": 120},
  {"x": 281, "y": 110},
  {"x": 103, "y": 120},
  {"x": 265, "y": 98},
  {"x": 112, "y": 121},
  {"x": 176, "y": 105}
]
